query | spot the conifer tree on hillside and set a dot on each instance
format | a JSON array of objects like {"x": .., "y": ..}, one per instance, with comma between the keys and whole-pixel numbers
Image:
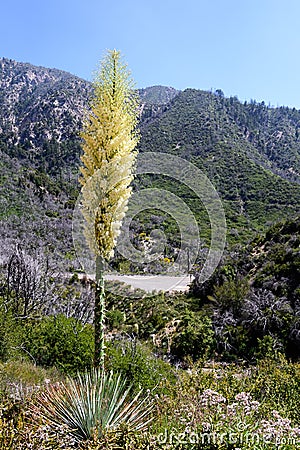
[{"x": 109, "y": 137}]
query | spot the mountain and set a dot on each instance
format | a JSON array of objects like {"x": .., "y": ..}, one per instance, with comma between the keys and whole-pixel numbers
[
  {"x": 40, "y": 118},
  {"x": 209, "y": 130},
  {"x": 41, "y": 113},
  {"x": 157, "y": 95},
  {"x": 249, "y": 151}
]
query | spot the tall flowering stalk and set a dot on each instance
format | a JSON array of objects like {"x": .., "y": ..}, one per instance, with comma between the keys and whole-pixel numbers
[{"x": 109, "y": 138}]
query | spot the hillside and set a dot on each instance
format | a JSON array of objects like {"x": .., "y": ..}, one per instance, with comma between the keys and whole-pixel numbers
[
  {"x": 254, "y": 294},
  {"x": 193, "y": 367},
  {"x": 250, "y": 152},
  {"x": 41, "y": 113},
  {"x": 200, "y": 127}
]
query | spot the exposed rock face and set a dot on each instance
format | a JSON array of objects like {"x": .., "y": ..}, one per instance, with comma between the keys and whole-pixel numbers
[
  {"x": 39, "y": 104},
  {"x": 155, "y": 100}
]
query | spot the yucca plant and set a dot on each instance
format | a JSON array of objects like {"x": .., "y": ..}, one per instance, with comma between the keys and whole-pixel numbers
[
  {"x": 93, "y": 403},
  {"x": 109, "y": 138},
  {"x": 96, "y": 401}
]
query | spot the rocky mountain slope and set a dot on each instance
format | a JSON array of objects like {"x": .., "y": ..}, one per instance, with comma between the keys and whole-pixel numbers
[
  {"x": 250, "y": 152},
  {"x": 43, "y": 107}
]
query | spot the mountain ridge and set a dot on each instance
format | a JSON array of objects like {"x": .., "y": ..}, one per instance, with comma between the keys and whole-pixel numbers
[{"x": 250, "y": 152}]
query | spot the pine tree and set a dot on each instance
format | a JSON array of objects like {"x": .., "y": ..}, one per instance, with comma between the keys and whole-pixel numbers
[{"x": 109, "y": 137}]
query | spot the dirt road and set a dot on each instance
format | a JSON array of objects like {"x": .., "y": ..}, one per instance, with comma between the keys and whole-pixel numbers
[{"x": 150, "y": 283}]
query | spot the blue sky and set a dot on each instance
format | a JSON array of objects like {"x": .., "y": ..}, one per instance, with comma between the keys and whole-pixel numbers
[{"x": 247, "y": 48}]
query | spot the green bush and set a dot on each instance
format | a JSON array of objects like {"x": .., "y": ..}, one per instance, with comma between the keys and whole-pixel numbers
[
  {"x": 61, "y": 342},
  {"x": 194, "y": 336},
  {"x": 137, "y": 363},
  {"x": 114, "y": 319},
  {"x": 11, "y": 334},
  {"x": 19, "y": 378},
  {"x": 277, "y": 383},
  {"x": 232, "y": 402}
]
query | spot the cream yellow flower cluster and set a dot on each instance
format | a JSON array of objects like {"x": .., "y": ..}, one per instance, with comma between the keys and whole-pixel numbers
[{"x": 109, "y": 139}]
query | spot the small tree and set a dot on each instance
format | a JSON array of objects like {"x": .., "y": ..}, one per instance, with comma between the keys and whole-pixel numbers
[
  {"x": 109, "y": 139},
  {"x": 29, "y": 286}
]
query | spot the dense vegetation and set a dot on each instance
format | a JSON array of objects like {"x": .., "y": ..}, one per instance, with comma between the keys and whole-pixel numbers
[
  {"x": 255, "y": 294},
  {"x": 205, "y": 129},
  {"x": 246, "y": 315},
  {"x": 249, "y": 151},
  {"x": 220, "y": 362}
]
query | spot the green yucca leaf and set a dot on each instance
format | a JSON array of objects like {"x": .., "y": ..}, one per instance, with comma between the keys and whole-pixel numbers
[{"x": 94, "y": 401}]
